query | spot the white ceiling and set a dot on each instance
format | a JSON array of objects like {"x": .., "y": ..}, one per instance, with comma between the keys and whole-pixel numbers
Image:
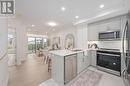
[{"x": 40, "y": 12}]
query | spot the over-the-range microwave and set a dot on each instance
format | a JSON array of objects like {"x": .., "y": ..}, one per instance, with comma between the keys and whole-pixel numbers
[{"x": 113, "y": 35}]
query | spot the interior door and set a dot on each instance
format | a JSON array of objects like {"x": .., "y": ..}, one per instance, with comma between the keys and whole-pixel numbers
[{"x": 11, "y": 46}]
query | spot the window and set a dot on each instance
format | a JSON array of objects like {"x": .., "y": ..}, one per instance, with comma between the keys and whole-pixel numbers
[{"x": 36, "y": 43}]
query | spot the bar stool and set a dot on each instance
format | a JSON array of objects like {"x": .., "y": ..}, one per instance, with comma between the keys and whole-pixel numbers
[
  {"x": 47, "y": 60},
  {"x": 49, "y": 64}
]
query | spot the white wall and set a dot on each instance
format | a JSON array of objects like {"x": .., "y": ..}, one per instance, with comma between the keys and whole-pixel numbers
[
  {"x": 62, "y": 34},
  {"x": 21, "y": 43},
  {"x": 3, "y": 52},
  {"x": 21, "y": 39},
  {"x": 80, "y": 35},
  {"x": 127, "y": 4}
]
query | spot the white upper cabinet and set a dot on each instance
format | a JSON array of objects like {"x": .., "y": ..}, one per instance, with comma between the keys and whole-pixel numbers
[
  {"x": 82, "y": 37},
  {"x": 93, "y": 32},
  {"x": 113, "y": 24}
]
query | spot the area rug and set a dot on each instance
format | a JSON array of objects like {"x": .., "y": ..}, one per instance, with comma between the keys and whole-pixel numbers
[{"x": 87, "y": 78}]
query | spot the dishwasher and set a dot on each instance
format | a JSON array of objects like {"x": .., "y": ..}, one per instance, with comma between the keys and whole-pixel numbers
[{"x": 70, "y": 71}]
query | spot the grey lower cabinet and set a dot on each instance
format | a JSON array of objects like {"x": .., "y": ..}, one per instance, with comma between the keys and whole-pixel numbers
[
  {"x": 82, "y": 62},
  {"x": 93, "y": 57}
]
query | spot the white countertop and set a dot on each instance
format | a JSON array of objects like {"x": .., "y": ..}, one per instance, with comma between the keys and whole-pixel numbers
[{"x": 64, "y": 52}]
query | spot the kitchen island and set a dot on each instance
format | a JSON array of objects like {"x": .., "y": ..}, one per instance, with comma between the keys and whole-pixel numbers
[{"x": 66, "y": 64}]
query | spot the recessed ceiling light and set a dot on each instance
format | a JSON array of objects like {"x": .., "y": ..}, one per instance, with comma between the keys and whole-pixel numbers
[
  {"x": 63, "y": 8},
  {"x": 76, "y": 17},
  {"x": 52, "y": 24},
  {"x": 102, "y": 6},
  {"x": 33, "y": 25}
]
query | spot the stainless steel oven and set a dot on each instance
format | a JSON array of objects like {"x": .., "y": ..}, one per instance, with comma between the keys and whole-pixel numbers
[{"x": 109, "y": 61}]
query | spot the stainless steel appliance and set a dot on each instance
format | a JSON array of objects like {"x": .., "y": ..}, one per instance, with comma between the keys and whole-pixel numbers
[
  {"x": 70, "y": 68},
  {"x": 109, "y": 60},
  {"x": 113, "y": 35},
  {"x": 126, "y": 51}
]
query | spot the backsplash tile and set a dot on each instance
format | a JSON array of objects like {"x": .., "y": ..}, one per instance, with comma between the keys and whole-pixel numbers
[{"x": 107, "y": 44}]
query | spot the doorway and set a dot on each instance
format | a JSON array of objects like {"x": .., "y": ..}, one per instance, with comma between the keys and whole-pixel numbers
[{"x": 11, "y": 47}]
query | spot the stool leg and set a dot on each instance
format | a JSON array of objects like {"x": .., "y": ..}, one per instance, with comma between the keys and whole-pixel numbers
[{"x": 49, "y": 65}]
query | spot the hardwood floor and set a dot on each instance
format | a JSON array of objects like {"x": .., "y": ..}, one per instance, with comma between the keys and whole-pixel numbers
[{"x": 32, "y": 72}]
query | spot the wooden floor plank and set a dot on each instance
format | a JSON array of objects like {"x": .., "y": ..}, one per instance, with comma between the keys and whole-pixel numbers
[{"x": 31, "y": 73}]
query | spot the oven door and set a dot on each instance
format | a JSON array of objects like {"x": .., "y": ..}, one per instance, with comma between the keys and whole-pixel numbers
[{"x": 109, "y": 61}]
